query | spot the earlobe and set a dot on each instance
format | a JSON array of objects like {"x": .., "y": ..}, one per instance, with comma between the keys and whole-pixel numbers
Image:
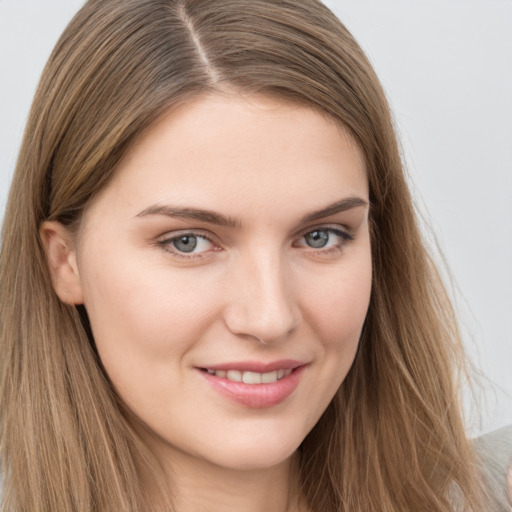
[{"x": 60, "y": 252}]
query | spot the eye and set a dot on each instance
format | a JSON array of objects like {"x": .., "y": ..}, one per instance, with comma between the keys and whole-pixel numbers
[
  {"x": 325, "y": 238},
  {"x": 187, "y": 243}
]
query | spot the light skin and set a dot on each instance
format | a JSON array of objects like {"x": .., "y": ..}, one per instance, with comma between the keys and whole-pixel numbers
[{"x": 278, "y": 268}]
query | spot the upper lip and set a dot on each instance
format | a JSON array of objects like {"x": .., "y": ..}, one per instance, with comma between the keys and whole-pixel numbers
[{"x": 256, "y": 366}]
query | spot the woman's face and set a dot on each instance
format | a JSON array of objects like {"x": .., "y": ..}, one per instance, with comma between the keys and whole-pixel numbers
[{"x": 232, "y": 244}]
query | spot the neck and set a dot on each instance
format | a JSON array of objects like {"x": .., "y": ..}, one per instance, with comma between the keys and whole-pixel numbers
[{"x": 199, "y": 486}]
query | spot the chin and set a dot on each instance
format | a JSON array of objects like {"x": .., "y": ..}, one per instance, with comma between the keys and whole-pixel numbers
[
  {"x": 260, "y": 449},
  {"x": 253, "y": 458}
]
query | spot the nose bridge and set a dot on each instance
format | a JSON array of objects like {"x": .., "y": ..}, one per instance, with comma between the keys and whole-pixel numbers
[{"x": 263, "y": 303}]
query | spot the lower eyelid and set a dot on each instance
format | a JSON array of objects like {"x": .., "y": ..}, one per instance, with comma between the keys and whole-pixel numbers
[{"x": 167, "y": 244}]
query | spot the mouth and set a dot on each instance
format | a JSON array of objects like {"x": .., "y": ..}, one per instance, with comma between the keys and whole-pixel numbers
[
  {"x": 248, "y": 377},
  {"x": 255, "y": 385}
]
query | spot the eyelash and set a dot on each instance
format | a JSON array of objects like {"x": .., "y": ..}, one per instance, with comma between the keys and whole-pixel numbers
[
  {"x": 345, "y": 238},
  {"x": 166, "y": 244}
]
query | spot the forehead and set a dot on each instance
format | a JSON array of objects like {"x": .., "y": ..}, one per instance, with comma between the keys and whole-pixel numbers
[{"x": 239, "y": 153}]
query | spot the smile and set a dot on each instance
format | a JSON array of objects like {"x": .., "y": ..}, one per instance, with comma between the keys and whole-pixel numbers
[
  {"x": 255, "y": 385},
  {"x": 248, "y": 377}
]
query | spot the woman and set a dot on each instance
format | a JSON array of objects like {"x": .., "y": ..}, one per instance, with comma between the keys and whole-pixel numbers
[{"x": 214, "y": 293}]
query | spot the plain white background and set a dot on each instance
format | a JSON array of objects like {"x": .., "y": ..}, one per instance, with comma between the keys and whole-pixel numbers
[{"x": 446, "y": 66}]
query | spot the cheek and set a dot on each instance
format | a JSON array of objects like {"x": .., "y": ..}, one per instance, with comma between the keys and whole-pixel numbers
[
  {"x": 143, "y": 314},
  {"x": 146, "y": 325},
  {"x": 338, "y": 308},
  {"x": 336, "y": 312}
]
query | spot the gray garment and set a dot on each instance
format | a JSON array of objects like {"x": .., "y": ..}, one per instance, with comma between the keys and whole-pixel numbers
[{"x": 495, "y": 452}]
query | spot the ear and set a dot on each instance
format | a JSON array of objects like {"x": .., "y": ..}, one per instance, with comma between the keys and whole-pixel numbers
[{"x": 60, "y": 252}]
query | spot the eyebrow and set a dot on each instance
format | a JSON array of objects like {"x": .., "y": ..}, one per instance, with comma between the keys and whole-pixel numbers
[
  {"x": 337, "y": 207},
  {"x": 207, "y": 216},
  {"x": 212, "y": 217}
]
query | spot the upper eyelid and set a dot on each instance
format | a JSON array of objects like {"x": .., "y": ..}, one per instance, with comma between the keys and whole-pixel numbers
[
  {"x": 164, "y": 242},
  {"x": 327, "y": 227},
  {"x": 346, "y": 235},
  {"x": 170, "y": 235}
]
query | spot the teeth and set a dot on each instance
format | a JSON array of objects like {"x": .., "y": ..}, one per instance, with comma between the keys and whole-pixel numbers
[
  {"x": 268, "y": 377},
  {"x": 234, "y": 375},
  {"x": 251, "y": 377}
]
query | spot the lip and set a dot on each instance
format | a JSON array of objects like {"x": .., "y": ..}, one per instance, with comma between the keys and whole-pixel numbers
[
  {"x": 256, "y": 396},
  {"x": 257, "y": 366}
]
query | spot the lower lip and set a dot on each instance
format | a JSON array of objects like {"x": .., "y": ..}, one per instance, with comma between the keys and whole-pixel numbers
[{"x": 256, "y": 396}]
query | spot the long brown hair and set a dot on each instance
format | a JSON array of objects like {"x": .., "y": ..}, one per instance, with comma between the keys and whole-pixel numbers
[{"x": 392, "y": 439}]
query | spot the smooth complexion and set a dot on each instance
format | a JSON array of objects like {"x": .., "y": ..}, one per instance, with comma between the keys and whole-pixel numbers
[{"x": 233, "y": 237}]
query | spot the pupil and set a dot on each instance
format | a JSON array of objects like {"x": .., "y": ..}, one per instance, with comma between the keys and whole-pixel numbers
[
  {"x": 185, "y": 243},
  {"x": 317, "y": 239}
]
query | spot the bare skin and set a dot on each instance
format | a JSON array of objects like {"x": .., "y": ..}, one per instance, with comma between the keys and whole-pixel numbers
[{"x": 234, "y": 232}]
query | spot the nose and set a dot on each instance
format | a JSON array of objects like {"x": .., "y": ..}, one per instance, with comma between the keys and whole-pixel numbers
[{"x": 263, "y": 304}]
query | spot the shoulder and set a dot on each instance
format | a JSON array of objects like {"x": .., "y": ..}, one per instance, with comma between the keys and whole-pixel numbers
[{"x": 494, "y": 452}]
